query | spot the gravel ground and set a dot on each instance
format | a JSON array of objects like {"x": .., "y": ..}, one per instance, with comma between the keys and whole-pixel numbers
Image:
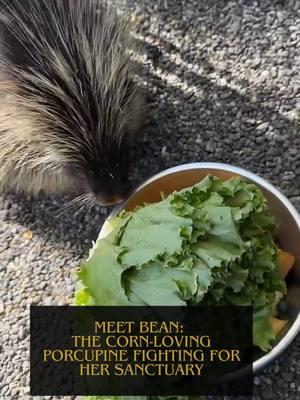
[{"x": 223, "y": 84}]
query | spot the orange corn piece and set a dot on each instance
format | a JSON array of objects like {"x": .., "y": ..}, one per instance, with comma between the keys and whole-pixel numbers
[
  {"x": 286, "y": 261},
  {"x": 277, "y": 324}
]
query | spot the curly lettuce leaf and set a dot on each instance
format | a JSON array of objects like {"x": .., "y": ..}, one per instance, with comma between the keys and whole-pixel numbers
[
  {"x": 153, "y": 231},
  {"x": 263, "y": 334},
  {"x": 103, "y": 284}
]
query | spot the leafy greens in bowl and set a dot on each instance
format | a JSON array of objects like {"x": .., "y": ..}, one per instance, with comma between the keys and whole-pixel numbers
[{"x": 212, "y": 243}]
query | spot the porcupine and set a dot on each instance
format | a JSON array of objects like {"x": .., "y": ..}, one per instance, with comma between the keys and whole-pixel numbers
[{"x": 68, "y": 101}]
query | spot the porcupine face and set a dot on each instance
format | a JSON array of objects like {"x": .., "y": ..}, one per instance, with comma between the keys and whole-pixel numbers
[
  {"x": 73, "y": 75},
  {"x": 104, "y": 175}
]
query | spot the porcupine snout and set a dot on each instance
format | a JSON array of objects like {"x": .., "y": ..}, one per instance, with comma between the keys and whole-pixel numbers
[
  {"x": 111, "y": 190},
  {"x": 113, "y": 193}
]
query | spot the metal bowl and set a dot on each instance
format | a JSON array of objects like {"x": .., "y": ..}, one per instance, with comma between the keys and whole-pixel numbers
[{"x": 287, "y": 218}]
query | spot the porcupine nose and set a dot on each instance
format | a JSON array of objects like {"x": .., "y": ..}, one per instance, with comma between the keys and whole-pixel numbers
[{"x": 113, "y": 192}]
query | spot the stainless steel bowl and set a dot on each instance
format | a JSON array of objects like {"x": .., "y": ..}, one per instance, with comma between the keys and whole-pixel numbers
[{"x": 287, "y": 218}]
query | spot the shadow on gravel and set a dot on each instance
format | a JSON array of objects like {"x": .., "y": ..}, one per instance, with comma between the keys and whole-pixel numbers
[{"x": 208, "y": 121}]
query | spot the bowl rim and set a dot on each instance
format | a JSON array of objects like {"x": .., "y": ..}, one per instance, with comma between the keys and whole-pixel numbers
[{"x": 294, "y": 330}]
